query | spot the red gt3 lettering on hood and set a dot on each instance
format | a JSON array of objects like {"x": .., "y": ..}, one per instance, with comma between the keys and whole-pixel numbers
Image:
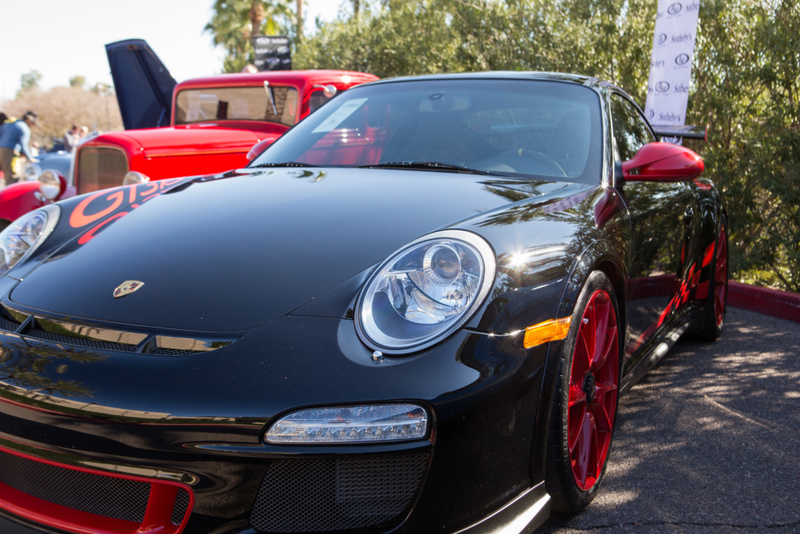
[{"x": 96, "y": 207}]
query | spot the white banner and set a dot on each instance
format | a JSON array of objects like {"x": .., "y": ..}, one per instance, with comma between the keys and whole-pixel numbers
[{"x": 671, "y": 62}]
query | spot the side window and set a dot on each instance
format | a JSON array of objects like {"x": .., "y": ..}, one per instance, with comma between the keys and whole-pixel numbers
[{"x": 630, "y": 131}]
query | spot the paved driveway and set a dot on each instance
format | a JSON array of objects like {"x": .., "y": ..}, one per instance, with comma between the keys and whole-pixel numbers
[{"x": 708, "y": 441}]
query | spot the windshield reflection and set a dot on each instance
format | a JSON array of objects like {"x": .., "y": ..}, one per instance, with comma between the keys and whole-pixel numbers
[{"x": 515, "y": 128}]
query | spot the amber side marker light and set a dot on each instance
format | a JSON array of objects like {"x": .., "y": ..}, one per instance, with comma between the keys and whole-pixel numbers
[{"x": 544, "y": 332}]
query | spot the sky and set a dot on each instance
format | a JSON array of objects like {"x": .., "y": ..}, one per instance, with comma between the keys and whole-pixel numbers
[{"x": 65, "y": 39}]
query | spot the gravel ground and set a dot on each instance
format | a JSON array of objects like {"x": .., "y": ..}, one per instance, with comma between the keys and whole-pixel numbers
[{"x": 708, "y": 441}]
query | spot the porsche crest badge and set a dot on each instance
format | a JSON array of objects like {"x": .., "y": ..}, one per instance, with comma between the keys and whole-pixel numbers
[{"x": 127, "y": 287}]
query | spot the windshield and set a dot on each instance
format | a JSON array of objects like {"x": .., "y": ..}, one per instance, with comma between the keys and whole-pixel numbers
[
  {"x": 237, "y": 103},
  {"x": 504, "y": 127}
]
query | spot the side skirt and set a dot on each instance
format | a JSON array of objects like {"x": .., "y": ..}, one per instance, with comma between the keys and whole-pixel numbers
[
  {"x": 658, "y": 350},
  {"x": 521, "y": 516}
]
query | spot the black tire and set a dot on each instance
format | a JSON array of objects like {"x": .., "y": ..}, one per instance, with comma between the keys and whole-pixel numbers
[
  {"x": 567, "y": 497},
  {"x": 712, "y": 326},
  {"x": 4, "y": 224}
]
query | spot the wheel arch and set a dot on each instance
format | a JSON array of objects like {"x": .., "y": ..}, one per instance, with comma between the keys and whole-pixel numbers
[{"x": 598, "y": 256}]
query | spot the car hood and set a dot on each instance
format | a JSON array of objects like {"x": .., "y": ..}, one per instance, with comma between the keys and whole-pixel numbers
[
  {"x": 192, "y": 139},
  {"x": 235, "y": 251}
]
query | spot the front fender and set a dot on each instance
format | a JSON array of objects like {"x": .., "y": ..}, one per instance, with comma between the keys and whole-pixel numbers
[{"x": 18, "y": 199}]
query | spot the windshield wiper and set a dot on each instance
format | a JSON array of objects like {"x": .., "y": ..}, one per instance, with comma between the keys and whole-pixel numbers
[
  {"x": 284, "y": 164},
  {"x": 432, "y": 165}
]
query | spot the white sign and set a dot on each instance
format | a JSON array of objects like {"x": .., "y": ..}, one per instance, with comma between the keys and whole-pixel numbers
[
  {"x": 671, "y": 62},
  {"x": 336, "y": 118}
]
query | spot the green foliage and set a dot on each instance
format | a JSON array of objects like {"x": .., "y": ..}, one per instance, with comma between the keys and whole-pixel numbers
[
  {"x": 745, "y": 82},
  {"x": 28, "y": 81},
  {"x": 235, "y": 22},
  {"x": 77, "y": 81}
]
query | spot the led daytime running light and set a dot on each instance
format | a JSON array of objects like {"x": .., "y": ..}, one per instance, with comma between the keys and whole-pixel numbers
[{"x": 350, "y": 424}]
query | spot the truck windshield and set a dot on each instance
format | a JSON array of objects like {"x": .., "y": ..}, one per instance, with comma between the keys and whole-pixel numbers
[{"x": 237, "y": 103}]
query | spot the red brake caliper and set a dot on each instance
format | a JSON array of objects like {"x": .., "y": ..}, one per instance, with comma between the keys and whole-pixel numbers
[
  {"x": 593, "y": 382},
  {"x": 721, "y": 276}
]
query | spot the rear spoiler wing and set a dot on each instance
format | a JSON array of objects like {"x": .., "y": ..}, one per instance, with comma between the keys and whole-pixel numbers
[{"x": 686, "y": 132}]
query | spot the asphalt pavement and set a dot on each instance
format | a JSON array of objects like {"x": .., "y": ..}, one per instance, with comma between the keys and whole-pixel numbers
[{"x": 708, "y": 441}]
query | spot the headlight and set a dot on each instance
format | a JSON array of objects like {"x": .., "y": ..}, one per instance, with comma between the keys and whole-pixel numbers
[
  {"x": 22, "y": 237},
  {"x": 31, "y": 172},
  {"x": 50, "y": 184},
  {"x": 351, "y": 424},
  {"x": 425, "y": 291}
]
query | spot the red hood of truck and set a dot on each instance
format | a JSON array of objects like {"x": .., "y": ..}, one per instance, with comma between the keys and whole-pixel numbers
[{"x": 194, "y": 138}]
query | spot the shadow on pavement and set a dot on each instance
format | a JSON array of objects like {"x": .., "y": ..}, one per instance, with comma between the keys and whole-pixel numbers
[{"x": 709, "y": 440}]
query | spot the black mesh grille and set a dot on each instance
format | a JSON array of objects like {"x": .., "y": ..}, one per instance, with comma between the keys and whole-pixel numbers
[
  {"x": 181, "y": 505},
  {"x": 38, "y": 333},
  {"x": 361, "y": 495},
  {"x": 8, "y": 325},
  {"x": 95, "y": 494},
  {"x": 172, "y": 352}
]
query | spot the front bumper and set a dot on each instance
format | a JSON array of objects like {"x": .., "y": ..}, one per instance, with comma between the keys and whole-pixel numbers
[{"x": 197, "y": 420}]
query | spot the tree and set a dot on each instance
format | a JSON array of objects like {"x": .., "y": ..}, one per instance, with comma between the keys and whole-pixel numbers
[
  {"x": 745, "y": 85},
  {"x": 28, "y": 81},
  {"x": 77, "y": 81},
  {"x": 235, "y": 22}
]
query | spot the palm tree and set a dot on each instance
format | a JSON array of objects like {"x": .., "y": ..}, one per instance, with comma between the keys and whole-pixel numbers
[{"x": 235, "y": 22}]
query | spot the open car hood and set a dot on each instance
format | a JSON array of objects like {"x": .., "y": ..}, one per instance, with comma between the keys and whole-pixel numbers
[
  {"x": 142, "y": 83},
  {"x": 239, "y": 250}
]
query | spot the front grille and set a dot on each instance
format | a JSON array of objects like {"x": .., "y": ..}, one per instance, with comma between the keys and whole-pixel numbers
[
  {"x": 360, "y": 495},
  {"x": 8, "y": 325},
  {"x": 171, "y": 352},
  {"x": 181, "y": 505},
  {"x": 38, "y": 333},
  {"x": 88, "y": 492},
  {"x": 100, "y": 168}
]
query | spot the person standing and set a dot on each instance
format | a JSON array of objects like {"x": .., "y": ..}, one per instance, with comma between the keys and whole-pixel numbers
[
  {"x": 71, "y": 139},
  {"x": 16, "y": 136}
]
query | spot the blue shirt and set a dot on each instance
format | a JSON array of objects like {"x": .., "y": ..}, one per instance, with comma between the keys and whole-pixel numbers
[{"x": 16, "y": 136}]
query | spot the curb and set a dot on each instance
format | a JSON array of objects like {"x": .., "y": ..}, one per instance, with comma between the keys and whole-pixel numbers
[{"x": 781, "y": 304}]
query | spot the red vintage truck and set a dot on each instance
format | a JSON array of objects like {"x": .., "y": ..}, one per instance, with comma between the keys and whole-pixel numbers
[{"x": 199, "y": 126}]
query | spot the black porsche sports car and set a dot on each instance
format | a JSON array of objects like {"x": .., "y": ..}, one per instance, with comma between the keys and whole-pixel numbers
[{"x": 414, "y": 313}]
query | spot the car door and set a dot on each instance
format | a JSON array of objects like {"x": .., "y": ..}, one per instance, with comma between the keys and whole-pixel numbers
[{"x": 659, "y": 212}]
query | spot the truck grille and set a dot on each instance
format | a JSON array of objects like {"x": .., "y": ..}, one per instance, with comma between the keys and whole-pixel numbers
[
  {"x": 100, "y": 168},
  {"x": 366, "y": 495}
]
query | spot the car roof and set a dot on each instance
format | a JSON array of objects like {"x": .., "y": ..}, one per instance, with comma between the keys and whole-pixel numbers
[
  {"x": 503, "y": 75},
  {"x": 294, "y": 77}
]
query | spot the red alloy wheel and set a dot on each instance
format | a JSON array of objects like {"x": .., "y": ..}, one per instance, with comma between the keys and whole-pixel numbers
[
  {"x": 721, "y": 276},
  {"x": 593, "y": 383}
]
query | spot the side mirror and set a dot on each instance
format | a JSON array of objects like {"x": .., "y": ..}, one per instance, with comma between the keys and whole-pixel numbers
[
  {"x": 259, "y": 147},
  {"x": 328, "y": 90},
  {"x": 663, "y": 162},
  {"x": 52, "y": 185}
]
